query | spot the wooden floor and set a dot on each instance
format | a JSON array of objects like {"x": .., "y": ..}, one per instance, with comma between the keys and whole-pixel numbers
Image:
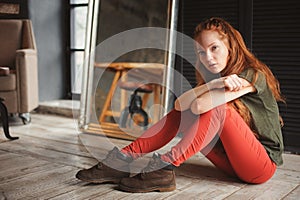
[{"x": 42, "y": 165}]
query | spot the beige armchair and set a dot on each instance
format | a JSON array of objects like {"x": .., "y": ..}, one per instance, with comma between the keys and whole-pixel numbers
[{"x": 18, "y": 88}]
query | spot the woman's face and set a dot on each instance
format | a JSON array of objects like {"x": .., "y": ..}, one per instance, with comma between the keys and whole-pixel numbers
[{"x": 212, "y": 51}]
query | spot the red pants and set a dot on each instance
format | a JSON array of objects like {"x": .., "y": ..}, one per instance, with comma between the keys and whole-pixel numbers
[{"x": 240, "y": 153}]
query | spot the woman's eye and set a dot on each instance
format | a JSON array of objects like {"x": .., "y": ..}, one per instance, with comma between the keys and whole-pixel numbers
[
  {"x": 213, "y": 48},
  {"x": 201, "y": 53}
]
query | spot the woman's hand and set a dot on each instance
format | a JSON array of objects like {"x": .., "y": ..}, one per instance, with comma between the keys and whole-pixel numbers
[{"x": 232, "y": 83}]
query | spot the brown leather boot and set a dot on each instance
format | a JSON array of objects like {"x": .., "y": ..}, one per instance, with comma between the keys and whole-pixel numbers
[
  {"x": 110, "y": 170},
  {"x": 162, "y": 179}
]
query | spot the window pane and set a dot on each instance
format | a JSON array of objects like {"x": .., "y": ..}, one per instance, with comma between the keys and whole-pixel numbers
[
  {"x": 78, "y": 27},
  {"x": 78, "y": 1},
  {"x": 76, "y": 71}
]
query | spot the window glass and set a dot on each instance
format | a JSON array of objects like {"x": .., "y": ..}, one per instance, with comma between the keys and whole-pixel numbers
[
  {"x": 78, "y": 27},
  {"x": 76, "y": 71},
  {"x": 78, "y": 1}
]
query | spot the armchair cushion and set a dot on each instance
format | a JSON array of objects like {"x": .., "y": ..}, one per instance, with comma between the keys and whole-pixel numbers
[
  {"x": 10, "y": 40},
  {"x": 8, "y": 83}
]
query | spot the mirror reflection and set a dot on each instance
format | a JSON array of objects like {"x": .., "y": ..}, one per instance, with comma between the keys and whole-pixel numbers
[{"x": 129, "y": 65}]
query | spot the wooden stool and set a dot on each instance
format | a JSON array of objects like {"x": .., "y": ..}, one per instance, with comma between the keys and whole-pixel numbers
[{"x": 152, "y": 70}]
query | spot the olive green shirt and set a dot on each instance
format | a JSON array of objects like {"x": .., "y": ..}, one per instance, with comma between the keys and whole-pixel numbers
[{"x": 265, "y": 113}]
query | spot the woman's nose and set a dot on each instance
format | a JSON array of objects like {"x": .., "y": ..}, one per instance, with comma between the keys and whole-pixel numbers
[{"x": 209, "y": 56}]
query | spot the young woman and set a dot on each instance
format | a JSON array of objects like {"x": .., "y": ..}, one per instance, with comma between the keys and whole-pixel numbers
[{"x": 231, "y": 117}]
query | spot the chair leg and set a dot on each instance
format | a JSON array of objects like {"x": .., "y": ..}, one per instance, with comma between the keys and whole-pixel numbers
[
  {"x": 26, "y": 118},
  {"x": 4, "y": 116}
]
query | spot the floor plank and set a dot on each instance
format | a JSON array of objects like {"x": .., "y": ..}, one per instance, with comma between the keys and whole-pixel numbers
[
  {"x": 294, "y": 195},
  {"x": 26, "y": 185},
  {"x": 18, "y": 166},
  {"x": 51, "y": 150}
]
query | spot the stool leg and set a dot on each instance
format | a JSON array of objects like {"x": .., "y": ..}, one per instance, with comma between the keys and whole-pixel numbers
[
  {"x": 4, "y": 116},
  {"x": 124, "y": 117},
  {"x": 156, "y": 100},
  {"x": 109, "y": 96}
]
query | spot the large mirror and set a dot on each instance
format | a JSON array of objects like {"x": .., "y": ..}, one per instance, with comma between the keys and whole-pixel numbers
[{"x": 128, "y": 66}]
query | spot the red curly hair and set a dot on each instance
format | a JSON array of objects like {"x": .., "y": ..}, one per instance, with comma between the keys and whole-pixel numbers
[{"x": 240, "y": 58}]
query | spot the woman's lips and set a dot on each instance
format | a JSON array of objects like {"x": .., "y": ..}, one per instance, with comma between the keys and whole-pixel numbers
[{"x": 213, "y": 65}]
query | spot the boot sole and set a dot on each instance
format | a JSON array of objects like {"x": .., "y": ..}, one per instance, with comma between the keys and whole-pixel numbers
[
  {"x": 143, "y": 190},
  {"x": 98, "y": 181}
]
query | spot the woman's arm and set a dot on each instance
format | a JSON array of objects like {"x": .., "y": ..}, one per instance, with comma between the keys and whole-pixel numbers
[
  {"x": 185, "y": 100},
  {"x": 216, "y": 98},
  {"x": 232, "y": 83}
]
